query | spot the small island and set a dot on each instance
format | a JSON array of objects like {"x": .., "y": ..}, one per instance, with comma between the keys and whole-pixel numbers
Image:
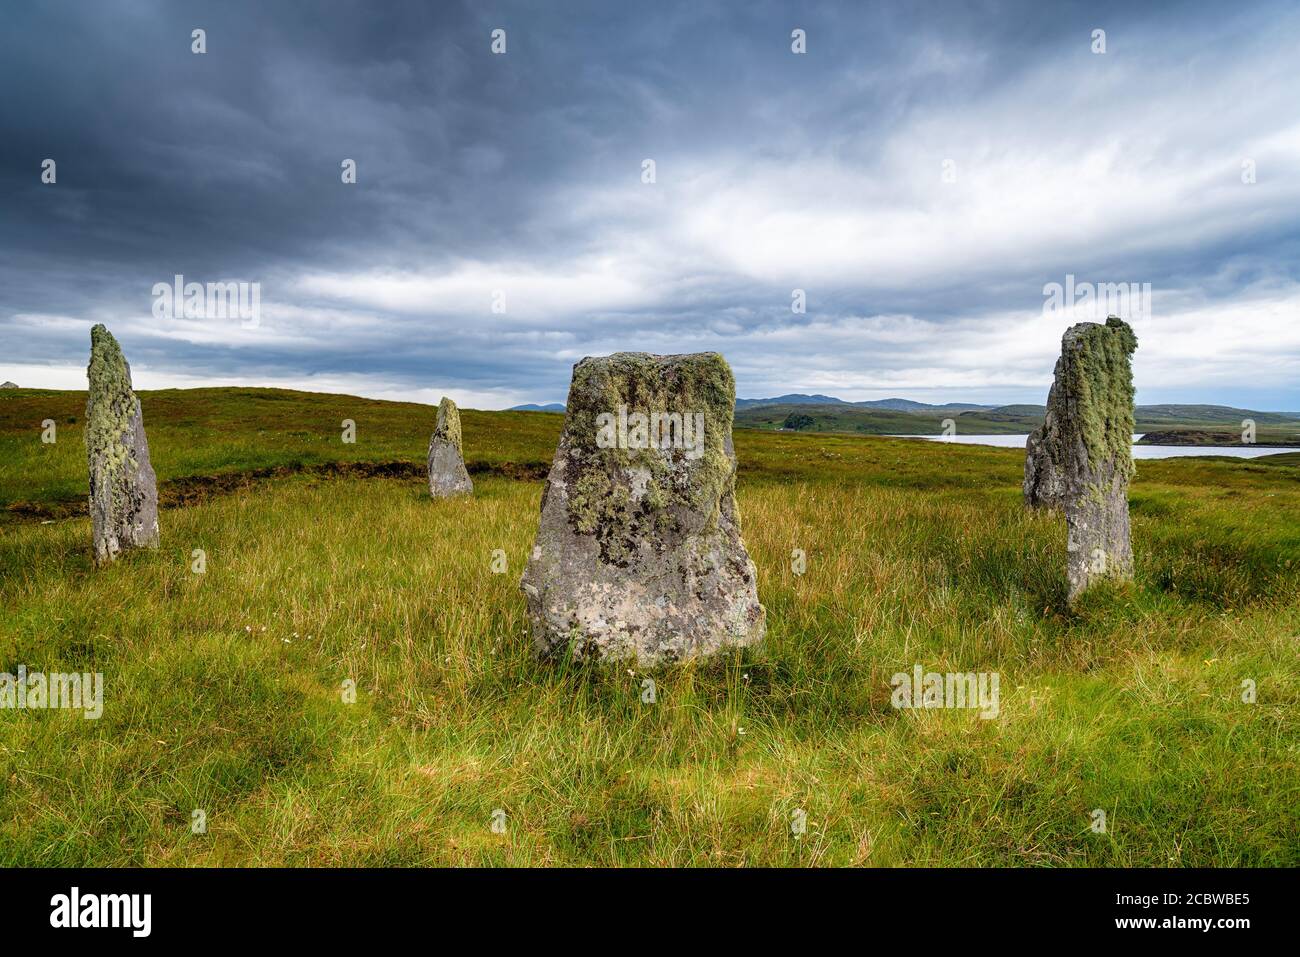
[{"x": 1218, "y": 439}]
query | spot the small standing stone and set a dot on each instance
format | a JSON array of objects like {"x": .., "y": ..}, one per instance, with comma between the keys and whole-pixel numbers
[
  {"x": 638, "y": 555},
  {"x": 123, "y": 488},
  {"x": 1080, "y": 459},
  {"x": 447, "y": 474}
]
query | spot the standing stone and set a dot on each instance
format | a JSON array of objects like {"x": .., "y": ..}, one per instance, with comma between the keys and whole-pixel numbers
[
  {"x": 8, "y": 385},
  {"x": 1080, "y": 459},
  {"x": 638, "y": 555},
  {"x": 123, "y": 489},
  {"x": 447, "y": 474}
]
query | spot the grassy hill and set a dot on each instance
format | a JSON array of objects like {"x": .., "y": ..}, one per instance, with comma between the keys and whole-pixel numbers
[
  {"x": 1197, "y": 415},
  {"x": 869, "y": 421},
  {"x": 328, "y": 563},
  {"x": 1008, "y": 419},
  {"x": 897, "y": 405}
]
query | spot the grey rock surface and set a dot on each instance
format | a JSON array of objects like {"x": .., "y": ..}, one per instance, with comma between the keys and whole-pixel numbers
[
  {"x": 1080, "y": 459},
  {"x": 447, "y": 473},
  {"x": 1044, "y": 485},
  {"x": 123, "y": 488},
  {"x": 639, "y": 555}
]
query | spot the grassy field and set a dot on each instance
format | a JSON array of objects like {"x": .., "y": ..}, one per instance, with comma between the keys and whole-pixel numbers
[
  {"x": 223, "y": 690},
  {"x": 197, "y": 437}
]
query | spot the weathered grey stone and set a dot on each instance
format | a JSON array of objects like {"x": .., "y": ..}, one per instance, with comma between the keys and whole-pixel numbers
[
  {"x": 447, "y": 474},
  {"x": 1080, "y": 460},
  {"x": 1044, "y": 484},
  {"x": 8, "y": 385},
  {"x": 639, "y": 555},
  {"x": 123, "y": 489}
]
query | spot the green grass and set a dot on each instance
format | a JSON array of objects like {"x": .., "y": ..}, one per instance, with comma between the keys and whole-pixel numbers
[{"x": 223, "y": 690}]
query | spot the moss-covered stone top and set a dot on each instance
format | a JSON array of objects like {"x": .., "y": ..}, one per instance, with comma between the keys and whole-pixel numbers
[
  {"x": 448, "y": 425},
  {"x": 110, "y": 403},
  {"x": 696, "y": 382},
  {"x": 625, "y": 490},
  {"x": 1099, "y": 381}
]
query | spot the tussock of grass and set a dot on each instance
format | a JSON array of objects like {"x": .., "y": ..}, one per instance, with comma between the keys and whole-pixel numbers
[{"x": 223, "y": 690}]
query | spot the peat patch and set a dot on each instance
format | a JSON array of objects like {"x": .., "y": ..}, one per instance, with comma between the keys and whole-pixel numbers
[{"x": 194, "y": 489}]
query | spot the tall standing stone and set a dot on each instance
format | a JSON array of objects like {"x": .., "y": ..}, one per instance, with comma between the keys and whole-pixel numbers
[
  {"x": 1080, "y": 460},
  {"x": 638, "y": 554},
  {"x": 123, "y": 488},
  {"x": 447, "y": 473}
]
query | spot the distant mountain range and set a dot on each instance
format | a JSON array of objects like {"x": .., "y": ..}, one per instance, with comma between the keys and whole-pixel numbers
[{"x": 531, "y": 407}]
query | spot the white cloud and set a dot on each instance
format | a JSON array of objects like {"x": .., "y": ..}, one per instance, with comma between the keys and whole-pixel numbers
[{"x": 469, "y": 289}]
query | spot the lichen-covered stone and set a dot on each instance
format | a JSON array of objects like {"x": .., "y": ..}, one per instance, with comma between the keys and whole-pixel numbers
[
  {"x": 123, "y": 488},
  {"x": 639, "y": 555},
  {"x": 447, "y": 473},
  {"x": 1080, "y": 460}
]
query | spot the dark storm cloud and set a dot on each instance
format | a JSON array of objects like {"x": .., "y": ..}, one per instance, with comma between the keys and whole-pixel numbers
[{"x": 521, "y": 174}]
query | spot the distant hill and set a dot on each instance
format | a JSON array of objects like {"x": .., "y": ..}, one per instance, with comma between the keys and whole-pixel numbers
[
  {"x": 897, "y": 405},
  {"x": 1209, "y": 413},
  {"x": 807, "y": 417},
  {"x": 897, "y": 416},
  {"x": 794, "y": 399},
  {"x": 907, "y": 405},
  {"x": 922, "y": 419},
  {"x": 1019, "y": 410}
]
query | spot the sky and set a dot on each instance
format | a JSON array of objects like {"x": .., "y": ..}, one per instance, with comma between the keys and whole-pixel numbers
[{"x": 921, "y": 172}]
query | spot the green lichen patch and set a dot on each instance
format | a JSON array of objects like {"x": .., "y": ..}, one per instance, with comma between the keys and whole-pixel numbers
[
  {"x": 109, "y": 408},
  {"x": 627, "y": 493},
  {"x": 448, "y": 423},
  {"x": 1099, "y": 380},
  {"x": 1083, "y": 447}
]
